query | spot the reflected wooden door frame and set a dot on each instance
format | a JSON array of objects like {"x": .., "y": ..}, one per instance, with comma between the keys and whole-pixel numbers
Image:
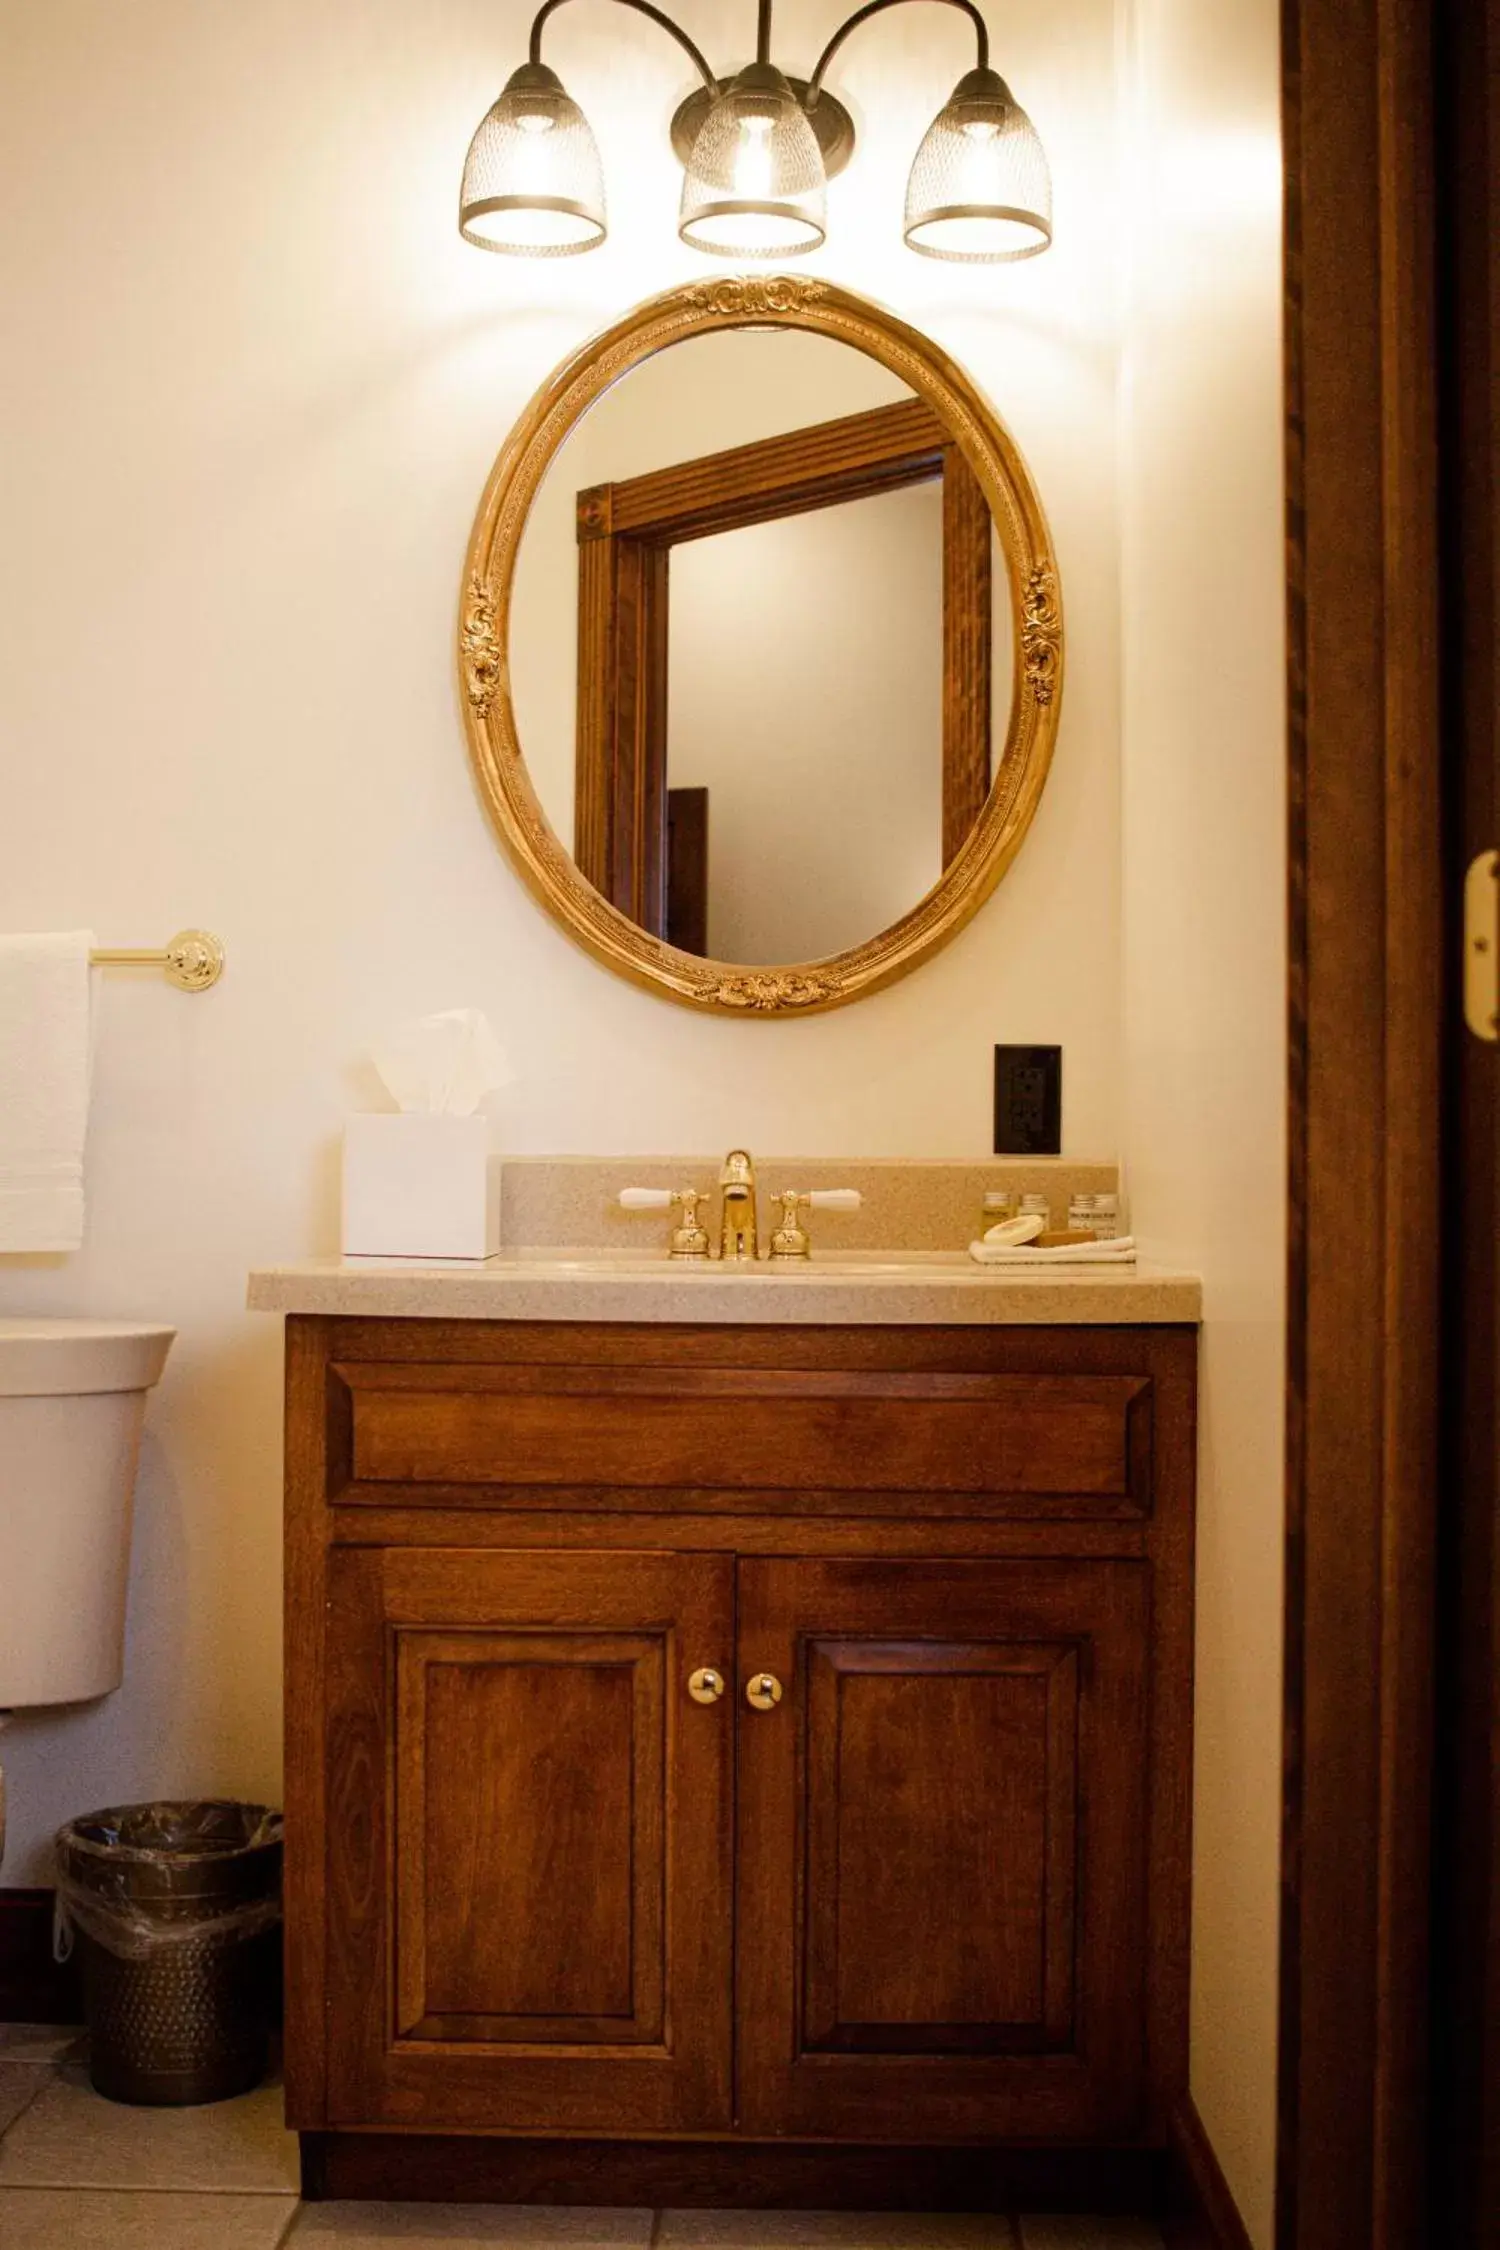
[{"x": 626, "y": 532}]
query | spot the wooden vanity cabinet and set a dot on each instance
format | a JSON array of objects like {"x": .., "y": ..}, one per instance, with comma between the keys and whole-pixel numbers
[{"x": 933, "y": 1895}]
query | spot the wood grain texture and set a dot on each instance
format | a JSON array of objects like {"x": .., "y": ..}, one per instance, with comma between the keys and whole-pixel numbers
[
  {"x": 844, "y": 1431},
  {"x": 1366, "y": 1012},
  {"x": 620, "y": 759},
  {"x": 924, "y": 1347},
  {"x": 315, "y": 1458},
  {"x": 517, "y": 1756},
  {"x": 739, "y": 2174},
  {"x": 477, "y": 1737},
  {"x": 1466, "y": 2045},
  {"x": 941, "y": 1810},
  {"x": 1041, "y": 2078},
  {"x": 546, "y": 1817},
  {"x": 820, "y": 466},
  {"x": 355, "y": 1908},
  {"x": 915, "y": 1524}
]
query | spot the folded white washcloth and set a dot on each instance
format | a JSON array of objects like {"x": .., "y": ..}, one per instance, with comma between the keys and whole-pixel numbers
[
  {"x": 1120, "y": 1251},
  {"x": 45, "y": 1059}
]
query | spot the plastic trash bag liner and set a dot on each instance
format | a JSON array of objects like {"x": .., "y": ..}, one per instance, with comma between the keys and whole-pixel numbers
[{"x": 139, "y": 1878}]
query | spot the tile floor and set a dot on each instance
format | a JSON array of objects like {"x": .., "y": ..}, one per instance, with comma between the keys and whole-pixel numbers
[{"x": 79, "y": 2173}]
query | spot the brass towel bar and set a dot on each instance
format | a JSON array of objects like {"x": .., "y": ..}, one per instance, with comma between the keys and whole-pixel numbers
[{"x": 193, "y": 960}]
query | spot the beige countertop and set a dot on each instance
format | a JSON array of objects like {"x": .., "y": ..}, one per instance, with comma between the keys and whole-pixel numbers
[{"x": 837, "y": 1288}]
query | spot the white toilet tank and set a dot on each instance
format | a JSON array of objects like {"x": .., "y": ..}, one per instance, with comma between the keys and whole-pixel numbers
[{"x": 72, "y": 1401}]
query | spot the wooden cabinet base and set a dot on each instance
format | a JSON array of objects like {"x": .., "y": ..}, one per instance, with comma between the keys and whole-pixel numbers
[
  {"x": 738, "y": 1768},
  {"x": 730, "y": 2175}
]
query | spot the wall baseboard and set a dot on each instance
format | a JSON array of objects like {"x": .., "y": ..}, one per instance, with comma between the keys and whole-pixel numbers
[
  {"x": 33, "y": 1989},
  {"x": 1201, "y": 2212}
]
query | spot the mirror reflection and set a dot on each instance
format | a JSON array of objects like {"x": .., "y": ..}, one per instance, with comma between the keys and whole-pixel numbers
[{"x": 760, "y": 646}]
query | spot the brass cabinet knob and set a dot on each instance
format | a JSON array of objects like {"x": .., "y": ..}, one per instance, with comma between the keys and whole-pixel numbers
[
  {"x": 763, "y": 1691},
  {"x": 706, "y": 1685}
]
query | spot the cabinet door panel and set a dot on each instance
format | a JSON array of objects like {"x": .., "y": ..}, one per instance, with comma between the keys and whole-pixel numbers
[
  {"x": 530, "y": 1923},
  {"x": 942, "y": 1849},
  {"x": 939, "y": 1919},
  {"x": 519, "y": 1756}
]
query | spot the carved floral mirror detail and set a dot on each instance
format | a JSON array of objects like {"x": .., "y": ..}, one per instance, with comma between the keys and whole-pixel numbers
[{"x": 760, "y": 646}]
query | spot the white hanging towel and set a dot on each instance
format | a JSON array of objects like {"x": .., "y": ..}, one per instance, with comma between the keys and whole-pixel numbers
[{"x": 45, "y": 1061}]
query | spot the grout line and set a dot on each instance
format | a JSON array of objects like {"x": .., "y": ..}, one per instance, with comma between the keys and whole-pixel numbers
[
  {"x": 658, "y": 2221},
  {"x": 289, "y": 2229},
  {"x": 148, "y": 2187},
  {"x": 34, "y": 2096}
]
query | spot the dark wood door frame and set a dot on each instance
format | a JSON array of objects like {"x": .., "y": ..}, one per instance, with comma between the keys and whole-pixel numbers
[
  {"x": 1465, "y": 2163},
  {"x": 626, "y": 532},
  {"x": 1366, "y": 1002}
]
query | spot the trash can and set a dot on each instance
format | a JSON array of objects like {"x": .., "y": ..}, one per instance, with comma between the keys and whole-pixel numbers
[{"x": 173, "y": 1910}]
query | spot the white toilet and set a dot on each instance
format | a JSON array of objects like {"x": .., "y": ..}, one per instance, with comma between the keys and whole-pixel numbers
[{"x": 72, "y": 1401}]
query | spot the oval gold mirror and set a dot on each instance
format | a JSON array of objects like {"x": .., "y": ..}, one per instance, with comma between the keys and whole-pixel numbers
[{"x": 760, "y": 646}]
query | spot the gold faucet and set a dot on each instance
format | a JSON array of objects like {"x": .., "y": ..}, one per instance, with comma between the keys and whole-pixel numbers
[{"x": 738, "y": 1234}]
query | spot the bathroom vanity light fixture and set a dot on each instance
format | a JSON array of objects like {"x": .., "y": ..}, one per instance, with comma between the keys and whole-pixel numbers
[{"x": 757, "y": 152}]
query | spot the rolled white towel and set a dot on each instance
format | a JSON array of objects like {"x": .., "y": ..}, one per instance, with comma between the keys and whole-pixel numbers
[{"x": 1118, "y": 1251}]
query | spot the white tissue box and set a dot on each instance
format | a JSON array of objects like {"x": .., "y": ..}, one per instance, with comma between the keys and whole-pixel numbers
[{"x": 417, "y": 1186}]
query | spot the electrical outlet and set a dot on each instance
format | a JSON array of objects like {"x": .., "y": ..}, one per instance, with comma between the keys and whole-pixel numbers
[{"x": 1028, "y": 1101}]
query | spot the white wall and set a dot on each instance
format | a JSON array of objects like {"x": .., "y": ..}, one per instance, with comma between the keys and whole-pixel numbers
[
  {"x": 1204, "y": 949},
  {"x": 254, "y": 384},
  {"x": 824, "y": 767}
]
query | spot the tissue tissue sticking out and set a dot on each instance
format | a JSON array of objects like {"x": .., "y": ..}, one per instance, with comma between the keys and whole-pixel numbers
[{"x": 442, "y": 1065}]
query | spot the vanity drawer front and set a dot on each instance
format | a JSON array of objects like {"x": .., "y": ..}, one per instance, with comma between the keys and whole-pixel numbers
[{"x": 727, "y": 1437}]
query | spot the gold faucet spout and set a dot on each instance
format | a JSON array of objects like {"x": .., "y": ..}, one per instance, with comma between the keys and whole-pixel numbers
[{"x": 739, "y": 1235}]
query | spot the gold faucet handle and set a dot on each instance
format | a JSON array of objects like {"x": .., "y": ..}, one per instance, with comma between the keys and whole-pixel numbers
[
  {"x": 791, "y": 1238},
  {"x": 690, "y": 1239}
]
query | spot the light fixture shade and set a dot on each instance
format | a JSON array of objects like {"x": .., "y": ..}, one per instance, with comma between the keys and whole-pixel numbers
[
  {"x": 980, "y": 190},
  {"x": 533, "y": 184},
  {"x": 755, "y": 185}
]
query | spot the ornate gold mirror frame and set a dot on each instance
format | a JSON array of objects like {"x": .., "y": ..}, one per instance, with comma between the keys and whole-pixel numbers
[{"x": 723, "y": 986}]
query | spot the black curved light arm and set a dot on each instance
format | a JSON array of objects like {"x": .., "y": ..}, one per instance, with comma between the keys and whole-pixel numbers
[
  {"x": 877, "y": 8},
  {"x": 642, "y": 8},
  {"x": 763, "y": 35}
]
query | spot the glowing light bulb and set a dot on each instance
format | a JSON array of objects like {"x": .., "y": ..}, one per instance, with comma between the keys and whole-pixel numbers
[
  {"x": 753, "y": 184},
  {"x": 533, "y": 186},
  {"x": 752, "y": 162}
]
